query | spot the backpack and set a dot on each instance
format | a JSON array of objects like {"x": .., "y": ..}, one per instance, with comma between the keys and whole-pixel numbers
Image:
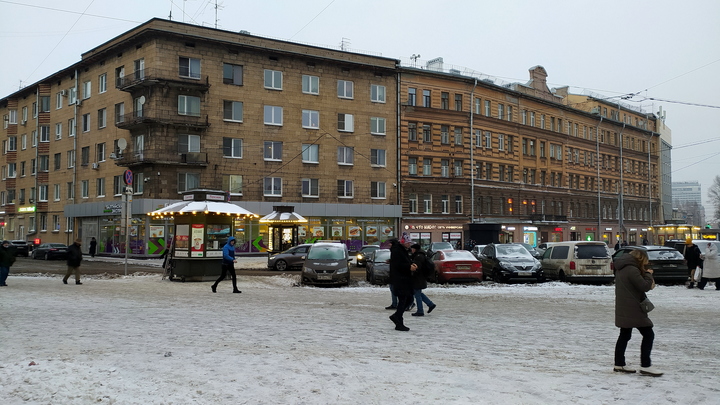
[{"x": 428, "y": 268}]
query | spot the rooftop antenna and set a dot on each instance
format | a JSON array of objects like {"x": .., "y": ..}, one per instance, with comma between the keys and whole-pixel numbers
[
  {"x": 344, "y": 44},
  {"x": 415, "y": 58},
  {"x": 216, "y": 12},
  {"x": 170, "y": 16}
]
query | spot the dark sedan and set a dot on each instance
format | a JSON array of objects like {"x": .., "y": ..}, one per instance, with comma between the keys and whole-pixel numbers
[
  {"x": 667, "y": 263},
  {"x": 362, "y": 255},
  {"x": 21, "y": 247},
  {"x": 456, "y": 265},
  {"x": 49, "y": 251},
  {"x": 510, "y": 262},
  {"x": 377, "y": 269}
]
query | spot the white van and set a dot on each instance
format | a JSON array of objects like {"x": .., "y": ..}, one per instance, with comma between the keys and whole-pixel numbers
[{"x": 578, "y": 261}]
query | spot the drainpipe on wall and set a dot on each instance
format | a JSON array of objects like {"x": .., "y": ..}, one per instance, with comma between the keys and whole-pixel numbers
[
  {"x": 398, "y": 188},
  {"x": 74, "y": 173},
  {"x": 621, "y": 217},
  {"x": 472, "y": 157},
  {"x": 597, "y": 153}
]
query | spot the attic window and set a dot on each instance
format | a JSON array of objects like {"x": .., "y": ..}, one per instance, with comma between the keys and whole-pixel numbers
[
  {"x": 274, "y": 58},
  {"x": 233, "y": 51},
  {"x": 190, "y": 44},
  {"x": 345, "y": 70},
  {"x": 119, "y": 55},
  {"x": 138, "y": 46},
  {"x": 311, "y": 64}
]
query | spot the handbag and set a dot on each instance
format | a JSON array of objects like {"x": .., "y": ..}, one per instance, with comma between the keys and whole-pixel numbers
[{"x": 646, "y": 305}]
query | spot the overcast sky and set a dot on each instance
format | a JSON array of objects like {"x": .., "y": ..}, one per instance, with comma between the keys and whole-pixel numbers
[{"x": 660, "y": 49}]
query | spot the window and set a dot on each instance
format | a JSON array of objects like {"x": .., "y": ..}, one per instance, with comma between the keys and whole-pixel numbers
[
  {"x": 272, "y": 187},
  {"x": 458, "y": 136},
  {"x": 310, "y": 153},
  {"x": 413, "y": 203},
  {"x": 377, "y": 93},
  {"x": 138, "y": 183},
  {"x": 100, "y": 149},
  {"x": 532, "y": 118},
  {"x": 377, "y": 189},
  {"x": 232, "y": 184},
  {"x": 57, "y": 160},
  {"x": 445, "y": 203},
  {"x": 70, "y": 159},
  {"x": 85, "y": 155},
  {"x": 311, "y": 188},
  {"x": 427, "y": 133},
  {"x": 118, "y": 184},
  {"x": 58, "y": 100},
  {"x": 232, "y": 74},
  {"x": 412, "y": 166},
  {"x": 102, "y": 83},
  {"x": 345, "y": 122},
  {"x": 139, "y": 65},
  {"x": 56, "y": 192},
  {"x": 426, "y": 99},
  {"x": 232, "y": 147},
  {"x": 501, "y": 141},
  {"x": 186, "y": 144},
  {"x": 272, "y": 150},
  {"x": 427, "y": 204},
  {"x": 86, "y": 122},
  {"x": 477, "y": 105},
  {"x": 310, "y": 84},
  {"x": 189, "y": 67},
  {"x": 100, "y": 185},
  {"x": 69, "y": 224},
  {"x": 444, "y": 134},
  {"x": 458, "y": 102},
  {"x": 412, "y": 131},
  {"x": 139, "y": 145},
  {"x": 119, "y": 113},
  {"x": 345, "y": 188},
  {"x": 12, "y": 143},
  {"x": 273, "y": 79},
  {"x": 427, "y": 167},
  {"x": 58, "y": 131},
  {"x": 138, "y": 105},
  {"x": 377, "y": 126},
  {"x": 345, "y": 155},
  {"x": 542, "y": 121},
  {"x": 542, "y": 149},
  {"x": 12, "y": 170},
  {"x": 412, "y": 94},
  {"x": 232, "y": 111},
  {"x": 188, "y": 105},
  {"x": 188, "y": 181},
  {"x": 44, "y": 161},
  {"x": 22, "y": 169},
  {"x": 102, "y": 118},
  {"x": 444, "y": 100},
  {"x": 56, "y": 222},
  {"x": 509, "y": 113},
  {"x": 273, "y": 115},
  {"x": 34, "y": 110},
  {"x": 487, "y": 108},
  {"x": 458, "y": 168},
  {"x": 23, "y": 141},
  {"x": 34, "y": 140},
  {"x": 488, "y": 140},
  {"x": 444, "y": 168},
  {"x": 458, "y": 204},
  {"x": 310, "y": 119},
  {"x": 86, "y": 90},
  {"x": 377, "y": 157},
  {"x": 488, "y": 171},
  {"x": 345, "y": 89}
]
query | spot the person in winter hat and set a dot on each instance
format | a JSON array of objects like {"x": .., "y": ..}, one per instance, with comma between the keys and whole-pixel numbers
[
  {"x": 632, "y": 280},
  {"x": 693, "y": 259},
  {"x": 711, "y": 267},
  {"x": 74, "y": 258},
  {"x": 420, "y": 261},
  {"x": 7, "y": 258},
  {"x": 228, "y": 265},
  {"x": 401, "y": 278}
]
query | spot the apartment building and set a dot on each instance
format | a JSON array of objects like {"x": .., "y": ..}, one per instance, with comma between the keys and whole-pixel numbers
[
  {"x": 531, "y": 163},
  {"x": 188, "y": 107}
]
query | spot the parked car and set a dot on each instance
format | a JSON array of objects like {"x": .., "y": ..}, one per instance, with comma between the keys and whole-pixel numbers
[
  {"x": 289, "y": 259},
  {"x": 477, "y": 251},
  {"x": 541, "y": 248},
  {"x": 326, "y": 264},
  {"x": 21, "y": 247},
  {"x": 377, "y": 270},
  {"x": 49, "y": 251},
  {"x": 435, "y": 246},
  {"x": 587, "y": 261},
  {"x": 530, "y": 248},
  {"x": 667, "y": 263},
  {"x": 504, "y": 262},
  {"x": 362, "y": 255},
  {"x": 456, "y": 265}
]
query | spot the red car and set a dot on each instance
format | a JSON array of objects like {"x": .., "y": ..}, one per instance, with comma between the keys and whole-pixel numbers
[{"x": 456, "y": 265}]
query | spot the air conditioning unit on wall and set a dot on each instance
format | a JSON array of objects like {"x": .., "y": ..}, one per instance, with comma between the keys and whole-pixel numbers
[{"x": 96, "y": 166}]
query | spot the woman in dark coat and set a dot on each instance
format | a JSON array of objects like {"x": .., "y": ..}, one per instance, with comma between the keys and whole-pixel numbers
[
  {"x": 419, "y": 280},
  {"x": 401, "y": 278},
  {"x": 93, "y": 247},
  {"x": 632, "y": 281}
]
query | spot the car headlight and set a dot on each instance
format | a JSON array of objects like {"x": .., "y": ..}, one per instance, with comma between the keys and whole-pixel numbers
[
  {"x": 308, "y": 270},
  {"x": 359, "y": 257},
  {"x": 271, "y": 258},
  {"x": 507, "y": 266},
  {"x": 342, "y": 270}
]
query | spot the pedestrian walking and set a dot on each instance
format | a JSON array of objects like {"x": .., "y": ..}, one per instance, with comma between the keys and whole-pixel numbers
[
  {"x": 7, "y": 258},
  {"x": 228, "y": 265},
  {"x": 420, "y": 271},
  {"x": 711, "y": 267},
  {"x": 93, "y": 247},
  {"x": 693, "y": 259},
  {"x": 401, "y": 278},
  {"x": 632, "y": 280},
  {"x": 74, "y": 258}
]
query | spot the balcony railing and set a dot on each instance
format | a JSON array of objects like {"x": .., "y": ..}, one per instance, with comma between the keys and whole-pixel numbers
[
  {"x": 151, "y": 116},
  {"x": 155, "y": 76},
  {"x": 148, "y": 157}
]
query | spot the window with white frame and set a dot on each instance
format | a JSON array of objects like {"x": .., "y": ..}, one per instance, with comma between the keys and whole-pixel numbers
[
  {"x": 427, "y": 133},
  {"x": 72, "y": 95},
  {"x": 186, "y": 143},
  {"x": 12, "y": 143},
  {"x": 22, "y": 168},
  {"x": 119, "y": 113},
  {"x": 509, "y": 113},
  {"x": 57, "y": 161},
  {"x": 273, "y": 79},
  {"x": 458, "y": 166},
  {"x": 458, "y": 204},
  {"x": 86, "y": 90},
  {"x": 345, "y": 188},
  {"x": 100, "y": 149},
  {"x": 71, "y": 127},
  {"x": 377, "y": 189},
  {"x": 34, "y": 138},
  {"x": 86, "y": 122},
  {"x": 232, "y": 74},
  {"x": 43, "y": 221},
  {"x": 345, "y": 123},
  {"x": 56, "y": 192},
  {"x": 102, "y": 118},
  {"x": 272, "y": 186},
  {"x": 377, "y": 126},
  {"x": 345, "y": 155},
  {"x": 501, "y": 141},
  {"x": 102, "y": 83},
  {"x": 311, "y": 188},
  {"x": 55, "y": 223},
  {"x": 189, "y": 67},
  {"x": 377, "y": 93},
  {"x": 69, "y": 221},
  {"x": 139, "y": 66},
  {"x": 100, "y": 187},
  {"x": 310, "y": 119},
  {"x": 427, "y": 167},
  {"x": 273, "y": 115},
  {"x": 139, "y": 144},
  {"x": 118, "y": 184},
  {"x": 188, "y": 181},
  {"x": 444, "y": 134},
  {"x": 58, "y": 100},
  {"x": 458, "y": 136},
  {"x": 445, "y": 204},
  {"x": 45, "y": 133},
  {"x": 487, "y": 108},
  {"x": 427, "y": 99},
  {"x": 427, "y": 204},
  {"x": 188, "y": 105},
  {"x": 488, "y": 140},
  {"x": 58, "y": 131},
  {"x": 412, "y": 96},
  {"x": 310, "y": 84},
  {"x": 70, "y": 159},
  {"x": 233, "y": 110},
  {"x": 412, "y": 131},
  {"x": 12, "y": 170},
  {"x": 232, "y": 184},
  {"x": 232, "y": 147},
  {"x": 444, "y": 168},
  {"x": 413, "y": 203},
  {"x": 310, "y": 153},
  {"x": 44, "y": 161},
  {"x": 70, "y": 192},
  {"x": 138, "y": 183},
  {"x": 272, "y": 150},
  {"x": 377, "y": 157},
  {"x": 412, "y": 166},
  {"x": 345, "y": 89}
]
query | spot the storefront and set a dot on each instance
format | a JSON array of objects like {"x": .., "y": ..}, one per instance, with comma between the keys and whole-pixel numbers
[{"x": 425, "y": 233}]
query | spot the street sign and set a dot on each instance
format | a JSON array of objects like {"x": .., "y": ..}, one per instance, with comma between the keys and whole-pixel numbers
[{"x": 128, "y": 177}]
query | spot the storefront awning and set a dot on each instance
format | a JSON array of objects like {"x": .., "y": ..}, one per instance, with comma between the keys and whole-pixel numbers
[
  {"x": 286, "y": 217},
  {"x": 193, "y": 207}
]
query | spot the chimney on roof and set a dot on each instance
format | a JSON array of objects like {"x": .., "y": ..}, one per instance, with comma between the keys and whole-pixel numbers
[{"x": 538, "y": 78}]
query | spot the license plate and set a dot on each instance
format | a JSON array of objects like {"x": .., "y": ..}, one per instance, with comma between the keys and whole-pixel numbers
[
  {"x": 670, "y": 265},
  {"x": 462, "y": 267},
  {"x": 324, "y": 276},
  {"x": 525, "y": 273}
]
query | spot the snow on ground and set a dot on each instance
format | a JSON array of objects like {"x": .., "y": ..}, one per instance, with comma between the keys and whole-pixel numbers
[{"x": 141, "y": 340}]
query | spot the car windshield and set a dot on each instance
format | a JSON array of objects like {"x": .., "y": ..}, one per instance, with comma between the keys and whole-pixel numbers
[
  {"x": 440, "y": 246},
  {"x": 56, "y": 245},
  {"x": 369, "y": 249},
  {"x": 326, "y": 253},
  {"x": 459, "y": 255},
  {"x": 598, "y": 251},
  {"x": 382, "y": 255},
  {"x": 665, "y": 254},
  {"x": 512, "y": 251}
]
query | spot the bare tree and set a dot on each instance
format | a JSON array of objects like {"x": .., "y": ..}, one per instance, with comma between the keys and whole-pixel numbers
[{"x": 714, "y": 194}]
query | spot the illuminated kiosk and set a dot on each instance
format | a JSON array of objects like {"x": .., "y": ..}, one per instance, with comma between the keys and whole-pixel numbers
[
  {"x": 282, "y": 227},
  {"x": 203, "y": 223}
]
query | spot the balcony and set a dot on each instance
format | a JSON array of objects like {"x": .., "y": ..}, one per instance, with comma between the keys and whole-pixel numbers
[
  {"x": 152, "y": 157},
  {"x": 153, "y": 77},
  {"x": 548, "y": 218},
  {"x": 151, "y": 116}
]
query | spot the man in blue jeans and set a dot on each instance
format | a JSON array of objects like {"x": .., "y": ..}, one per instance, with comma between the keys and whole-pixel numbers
[{"x": 419, "y": 275}]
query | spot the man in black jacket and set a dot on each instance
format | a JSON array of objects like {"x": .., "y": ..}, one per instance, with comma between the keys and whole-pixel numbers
[
  {"x": 401, "y": 278},
  {"x": 74, "y": 257}
]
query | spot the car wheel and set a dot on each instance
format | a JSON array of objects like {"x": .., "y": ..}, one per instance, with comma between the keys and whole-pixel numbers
[
  {"x": 496, "y": 276},
  {"x": 561, "y": 276},
  {"x": 34, "y": 255},
  {"x": 372, "y": 279},
  {"x": 436, "y": 277},
  {"x": 47, "y": 256},
  {"x": 281, "y": 265}
]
